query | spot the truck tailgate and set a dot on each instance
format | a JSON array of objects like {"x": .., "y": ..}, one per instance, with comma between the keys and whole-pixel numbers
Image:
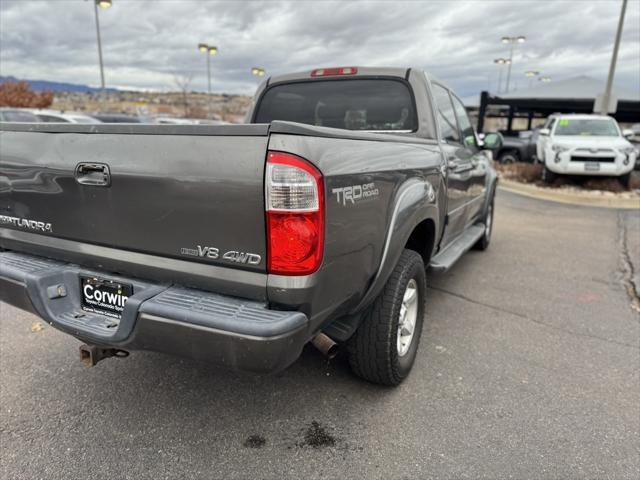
[{"x": 193, "y": 193}]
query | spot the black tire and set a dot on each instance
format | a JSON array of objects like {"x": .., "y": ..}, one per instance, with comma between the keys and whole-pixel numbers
[
  {"x": 508, "y": 157},
  {"x": 548, "y": 176},
  {"x": 485, "y": 240},
  {"x": 374, "y": 353},
  {"x": 625, "y": 180}
]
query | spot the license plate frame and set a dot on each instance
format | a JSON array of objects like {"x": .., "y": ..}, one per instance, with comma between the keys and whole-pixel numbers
[
  {"x": 592, "y": 166},
  {"x": 104, "y": 296}
]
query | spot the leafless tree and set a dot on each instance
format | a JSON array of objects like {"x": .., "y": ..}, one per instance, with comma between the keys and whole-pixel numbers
[{"x": 182, "y": 81}]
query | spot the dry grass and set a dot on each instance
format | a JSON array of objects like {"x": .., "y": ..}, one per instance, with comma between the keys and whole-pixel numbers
[
  {"x": 532, "y": 173},
  {"x": 521, "y": 172}
]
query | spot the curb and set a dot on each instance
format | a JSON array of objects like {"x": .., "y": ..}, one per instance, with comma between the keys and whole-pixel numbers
[{"x": 567, "y": 197}]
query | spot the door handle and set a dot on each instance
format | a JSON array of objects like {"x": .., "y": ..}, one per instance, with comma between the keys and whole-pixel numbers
[{"x": 94, "y": 174}]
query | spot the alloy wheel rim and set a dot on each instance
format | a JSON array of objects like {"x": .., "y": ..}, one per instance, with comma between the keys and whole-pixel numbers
[{"x": 408, "y": 317}]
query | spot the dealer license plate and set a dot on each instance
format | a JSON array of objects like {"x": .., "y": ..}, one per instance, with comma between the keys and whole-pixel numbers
[{"x": 104, "y": 296}]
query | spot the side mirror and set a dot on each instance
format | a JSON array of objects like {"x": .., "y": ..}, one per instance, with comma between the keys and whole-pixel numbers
[
  {"x": 493, "y": 141},
  {"x": 545, "y": 132},
  {"x": 627, "y": 133}
]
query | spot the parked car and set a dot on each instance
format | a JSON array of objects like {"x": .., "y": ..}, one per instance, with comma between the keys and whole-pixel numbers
[
  {"x": 116, "y": 118},
  {"x": 585, "y": 145},
  {"x": 17, "y": 115},
  {"x": 520, "y": 148},
  {"x": 56, "y": 116},
  {"x": 239, "y": 244},
  {"x": 635, "y": 141}
]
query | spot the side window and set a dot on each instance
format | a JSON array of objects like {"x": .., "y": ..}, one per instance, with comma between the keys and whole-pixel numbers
[
  {"x": 446, "y": 117},
  {"x": 466, "y": 130},
  {"x": 552, "y": 122}
]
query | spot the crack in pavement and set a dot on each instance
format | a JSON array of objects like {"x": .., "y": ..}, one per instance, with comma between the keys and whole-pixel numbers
[
  {"x": 534, "y": 320},
  {"x": 627, "y": 270}
]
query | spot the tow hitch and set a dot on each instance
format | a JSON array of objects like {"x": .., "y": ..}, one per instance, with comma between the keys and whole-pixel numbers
[{"x": 92, "y": 354}]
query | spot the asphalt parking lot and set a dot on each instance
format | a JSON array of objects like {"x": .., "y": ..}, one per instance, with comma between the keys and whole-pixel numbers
[{"x": 529, "y": 367}]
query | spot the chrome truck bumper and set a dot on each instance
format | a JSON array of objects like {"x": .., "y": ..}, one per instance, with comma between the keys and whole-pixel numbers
[{"x": 236, "y": 333}]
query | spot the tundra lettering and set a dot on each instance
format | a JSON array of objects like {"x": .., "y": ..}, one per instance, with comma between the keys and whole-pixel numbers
[{"x": 25, "y": 223}]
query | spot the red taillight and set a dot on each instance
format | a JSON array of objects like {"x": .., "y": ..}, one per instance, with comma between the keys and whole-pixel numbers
[
  {"x": 294, "y": 194},
  {"x": 325, "y": 72}
]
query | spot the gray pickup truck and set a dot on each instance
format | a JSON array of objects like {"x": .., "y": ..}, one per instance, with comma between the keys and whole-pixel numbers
[{"x": 240, "y": 244}]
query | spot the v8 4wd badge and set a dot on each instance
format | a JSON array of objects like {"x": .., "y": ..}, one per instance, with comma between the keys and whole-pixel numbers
[{"x": 214, "y": 253}]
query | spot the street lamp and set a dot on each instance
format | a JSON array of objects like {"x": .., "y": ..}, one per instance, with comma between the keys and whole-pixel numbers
[
  {"x": 531, "y": 74},
  {"x": 512, "y": 41},
  {"x": 210, "y": 51},
  {"x": 257, "y": 71},
  {"x": 500, "y": 62},
  {"x": 544, "y": 79},
  {"x": 103, "y": 4}
]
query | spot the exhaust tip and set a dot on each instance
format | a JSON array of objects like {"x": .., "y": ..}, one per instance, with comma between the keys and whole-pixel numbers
[{"x": 326, "y": 345}]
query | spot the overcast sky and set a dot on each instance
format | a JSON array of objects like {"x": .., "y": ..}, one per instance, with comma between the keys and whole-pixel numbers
[{"x": 146, "y": 41}]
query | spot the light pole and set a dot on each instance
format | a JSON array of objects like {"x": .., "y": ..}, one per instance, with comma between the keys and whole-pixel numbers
[
  {"x": 103, "y": 4},
  {"x": 500, "y": 62},
  {"x": 257, "y": 72},
  {"x": 512, "y": 41},
  {"x": 604, "y": 109},
  {"x": 531, "y": 74},
  {"x": 209, "y": 51}
]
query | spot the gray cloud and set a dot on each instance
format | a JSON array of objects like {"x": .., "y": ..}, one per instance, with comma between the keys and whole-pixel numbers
[{"x": 146, "y": 41}]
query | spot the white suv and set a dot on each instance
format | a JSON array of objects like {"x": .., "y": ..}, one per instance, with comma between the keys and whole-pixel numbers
[{"x": 585, "y": 145}]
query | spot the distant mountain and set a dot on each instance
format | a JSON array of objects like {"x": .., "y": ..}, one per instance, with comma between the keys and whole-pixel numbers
[{"x": 41, "y": 85}]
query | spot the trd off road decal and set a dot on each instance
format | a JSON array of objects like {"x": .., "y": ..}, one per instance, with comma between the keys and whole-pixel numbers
[{"x": 355, "y": 193}]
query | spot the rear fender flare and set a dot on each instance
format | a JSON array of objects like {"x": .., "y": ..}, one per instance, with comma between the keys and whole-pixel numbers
[
  {"x": 491, "y": 185},
  {"x": 416, "y": 201}
]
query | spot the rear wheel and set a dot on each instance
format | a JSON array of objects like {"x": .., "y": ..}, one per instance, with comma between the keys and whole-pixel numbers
[
  {"x": 508, "y": 157},
  {"x": 384, "y": 347}
]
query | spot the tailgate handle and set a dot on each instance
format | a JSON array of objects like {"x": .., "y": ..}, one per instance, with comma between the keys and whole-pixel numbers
[{"x": 96, "y": 174}]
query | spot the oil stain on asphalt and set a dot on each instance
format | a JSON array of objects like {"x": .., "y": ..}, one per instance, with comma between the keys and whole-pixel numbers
[
  {"x": 316, "y": 436},
  {"x": 255, "y": 441}
]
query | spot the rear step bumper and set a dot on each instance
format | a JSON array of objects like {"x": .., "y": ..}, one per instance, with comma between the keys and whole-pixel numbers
[{"x": 236, "y": 333}]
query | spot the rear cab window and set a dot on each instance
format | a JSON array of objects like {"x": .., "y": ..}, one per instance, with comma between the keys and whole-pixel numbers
[{"x": 365, "y": 104}]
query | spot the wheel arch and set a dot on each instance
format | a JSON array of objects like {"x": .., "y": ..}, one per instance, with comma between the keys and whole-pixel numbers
[
  {"x": 415, "y": 214},
  {"x": 423, "y": 239}
]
